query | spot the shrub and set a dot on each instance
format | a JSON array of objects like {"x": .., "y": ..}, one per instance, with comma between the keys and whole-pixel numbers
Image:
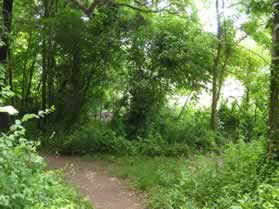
[
  {"x": 192, "y": 129},
  {"x": 241, "y": 121},
  {"x": 215, "y": 182},
  {"x": 96, "y": 138},
  {"x": 90, "y": 138},
  {"x": 266, "y": 195},
  {"x": 24, "y": 183}
]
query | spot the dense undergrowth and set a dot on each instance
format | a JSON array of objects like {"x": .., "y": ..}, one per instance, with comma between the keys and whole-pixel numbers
[
  {"x": 180, "y": 164},
  {"x": 165, "y": 137},
  {"x": 134, "y": 62},
  {"x": 224, "y": 181},
  {"x": 24, "y": 181}
]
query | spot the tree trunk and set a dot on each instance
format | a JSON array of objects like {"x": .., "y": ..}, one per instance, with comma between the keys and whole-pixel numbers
[
  {"x": 44, "y": 76},
  {"x": 23, "y": 84},
  {"x": 44, "y": 66},
  {"x": 51, "y": 55},
  {"x": 247, "y": 102},
  {"x": 50, "y": 80},
  {"x": 7, "y": 10},
  {"x": 28, "y": 90},
  {"x": 187, "y": 101},
  {"x": 222, "y": 76},
  {"x": 213, "y": 123},
  {"x": 75, "y": 79},
  {"x": 273, "y": 148}
]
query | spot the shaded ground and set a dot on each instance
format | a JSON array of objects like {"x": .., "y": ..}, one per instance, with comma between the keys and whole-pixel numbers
[{"x": 91, "y": 178}]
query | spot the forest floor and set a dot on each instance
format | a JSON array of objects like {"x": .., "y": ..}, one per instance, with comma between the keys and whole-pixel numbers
[{"x": 93, "y": 181}]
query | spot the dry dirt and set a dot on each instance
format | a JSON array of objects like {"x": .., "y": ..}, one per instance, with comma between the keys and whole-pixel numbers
[{"x": 92, "y": 180}]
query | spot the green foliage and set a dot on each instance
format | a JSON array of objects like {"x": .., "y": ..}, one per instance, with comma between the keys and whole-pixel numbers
[
  {"x": 229, "y": 120},
  {"x": 128, "y": 61},
  {"x": 28, "y": 117},
  {"x": 144, "y": 172},
  {"x": 160, "y": 62},
  {"x": 95, "y": 137},
  {"x": 265, "y": 196},
  {"x": 229, "y": 180},
  {"x": 98, "y": 138},
  {"x": 24, "y": 183},
  {"x": 213, "y": 182},
  {"x": 167, "y": 135},
  {"x": 6, "y": 94},
  {"x": 191, "y": 129},
  {"x": 241, "y": 122}
]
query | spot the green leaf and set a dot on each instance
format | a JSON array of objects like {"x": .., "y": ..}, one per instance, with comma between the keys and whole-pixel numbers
[
  {"x": 8, "y": 109},
  {"x": 28, "y": 117}
]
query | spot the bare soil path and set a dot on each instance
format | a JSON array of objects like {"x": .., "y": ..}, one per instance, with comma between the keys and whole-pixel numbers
[{"x": 92, "y": 180}]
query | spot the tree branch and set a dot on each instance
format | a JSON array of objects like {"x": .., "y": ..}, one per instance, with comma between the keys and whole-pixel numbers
[
  {"x": 141, "y": 9},
  {"x": 90, "y": 9},
  {"x": 80, "y": 5},
  {"x": 257, "y": 54}
]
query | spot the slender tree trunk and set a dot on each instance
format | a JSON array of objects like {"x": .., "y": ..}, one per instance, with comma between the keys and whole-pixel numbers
[
  {"x": 44, "y": 77},
  {"x": 50, "y": 84},
  {"x": 28, "y": 90},
  {"x": 24, "y": 75},
  {"x": 188, "y": 99},
  {"x": 23, "y": 84},
  {"x": 213, "y": 123},
  {"x": 44, "y": 81},
  {"x": 273, "y": 149},
  {"x": 44, "y": 87},
  {"x": 7, "y": 11},
  {"x": 10, "y": 75},
  {"x": 247, "y": 102},
  {"x": 255, "y": 113},
  {"x": 51, "y": 55},
  {"x": 222, "y": 77},
  {"x": 44, "y": 65},
  {"x": 75, "y": 79}
]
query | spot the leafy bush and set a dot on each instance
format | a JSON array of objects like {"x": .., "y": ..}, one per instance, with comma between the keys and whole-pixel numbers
[
  {"x": 98, "y": 137},
  {"x": 165, "y": 136},
  {"x": 241, "y": 121},
  {"x": 88, "y": 139},
  {"x": 24, "y": 183},
  {"x": 265, "y": 196},
  {"x": 215, "y": 182},
  {"x": 191, "y": 129}
]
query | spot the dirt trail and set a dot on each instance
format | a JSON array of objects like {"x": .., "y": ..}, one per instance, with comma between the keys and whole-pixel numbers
[{"x": 104, "y": 191}]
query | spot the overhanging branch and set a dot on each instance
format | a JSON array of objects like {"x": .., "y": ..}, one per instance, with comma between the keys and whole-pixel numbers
[
  {"x": 141, "y": 9},
  {"x": 80, "y": 5},
  {"x": 90, "y": 9},
  {"x": 87, "y": 10}
]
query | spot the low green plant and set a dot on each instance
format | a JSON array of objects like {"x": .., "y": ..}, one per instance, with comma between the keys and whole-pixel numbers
[
  {"x": 144, "y": 172},
  {"x": 192, "y": 128},
  {"x": 89, "y": 139},
  {"x": 98, "y": 138},
  {"x": 237, "y": 121},
  {"x": 228, "y": 180},
  {"x": 215, "y": 181},
  {"x": 24, "y": 181},
  {"x": 265, "y": 196}
]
